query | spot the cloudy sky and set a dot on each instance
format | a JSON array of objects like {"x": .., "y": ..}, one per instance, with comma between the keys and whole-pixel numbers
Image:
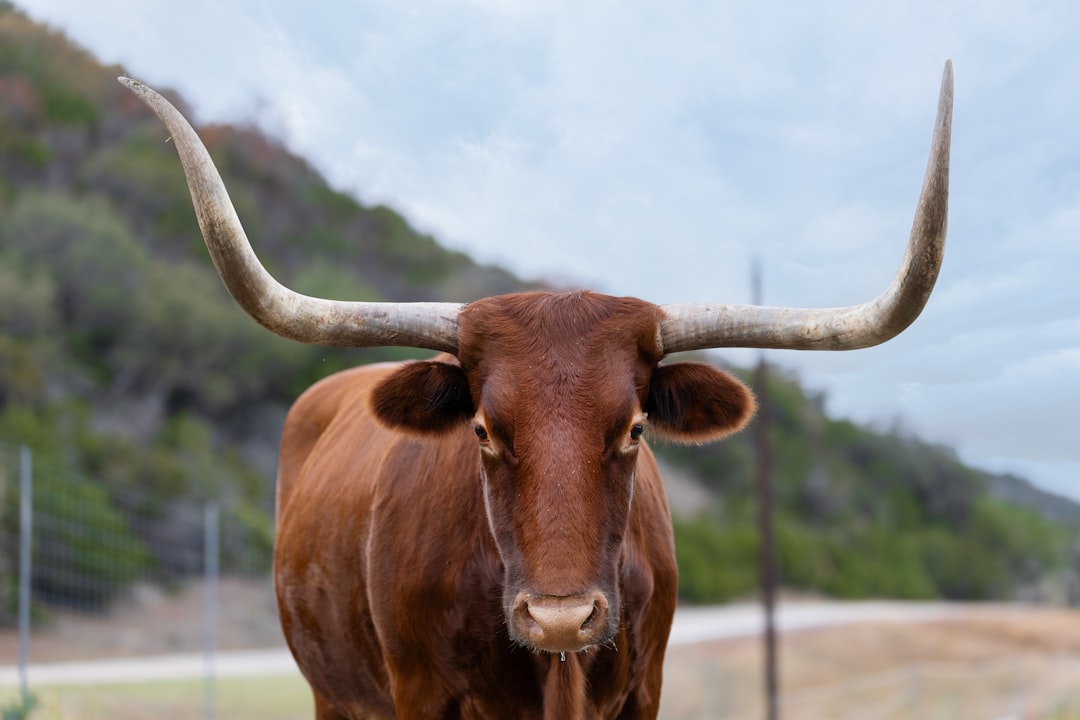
[{"x": 657, "y": 151}]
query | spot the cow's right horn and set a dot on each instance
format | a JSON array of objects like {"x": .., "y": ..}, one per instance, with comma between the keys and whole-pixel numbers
[
  {"x": 696, "y": 327},
  {"x": 299, "y": 317}
]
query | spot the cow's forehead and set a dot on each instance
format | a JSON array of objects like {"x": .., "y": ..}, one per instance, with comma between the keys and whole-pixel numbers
[
  {"x": 583, "y": 354},
  {"x": 557, "y": 328}
]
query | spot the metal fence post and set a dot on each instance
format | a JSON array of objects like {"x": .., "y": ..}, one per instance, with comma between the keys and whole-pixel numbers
[
  {"x": 768, "y": 573},
  {"x": 26, "y": 518},
  {"x": 211, "y": 549}
]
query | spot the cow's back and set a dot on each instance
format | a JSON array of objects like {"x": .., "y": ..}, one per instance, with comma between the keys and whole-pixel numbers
[
  {"x": 369, "y": 521},
  {"x": 331, "y": 449},
  {"x": 334, "y": 406}
]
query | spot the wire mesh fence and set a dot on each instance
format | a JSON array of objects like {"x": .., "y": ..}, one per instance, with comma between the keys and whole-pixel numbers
[
  {"x": 91, "y": 546},
  {"x": 9, "y": 539},
  {"x": 72, "y": 548}
]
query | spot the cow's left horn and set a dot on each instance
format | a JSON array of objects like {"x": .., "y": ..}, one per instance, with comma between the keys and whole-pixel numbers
[
  {"x": 696, "y": 327},
  {"x": 276, "y": 307}
]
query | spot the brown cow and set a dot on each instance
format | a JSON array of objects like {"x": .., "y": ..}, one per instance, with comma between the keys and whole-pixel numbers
[{"x": 486, "y": 535}]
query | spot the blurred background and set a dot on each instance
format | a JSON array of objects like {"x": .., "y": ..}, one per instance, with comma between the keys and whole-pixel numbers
[{"x": 450, "y": 155}]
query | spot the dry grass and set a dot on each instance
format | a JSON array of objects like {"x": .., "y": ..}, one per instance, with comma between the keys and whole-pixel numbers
[{"x": 277, "y": 698}]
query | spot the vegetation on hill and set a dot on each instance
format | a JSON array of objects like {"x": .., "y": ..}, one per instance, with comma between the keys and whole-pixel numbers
[
  {"x": 131, "y": 373},
  {"x": 867, "y": 513}
]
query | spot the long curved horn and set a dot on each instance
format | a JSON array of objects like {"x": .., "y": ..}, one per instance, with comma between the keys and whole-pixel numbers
[
  {"x": 310, "y": 320},
  {"x": 696, "y": 327}
]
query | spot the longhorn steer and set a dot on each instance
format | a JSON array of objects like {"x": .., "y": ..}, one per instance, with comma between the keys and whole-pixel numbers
[{"x": 485, "y": 534}]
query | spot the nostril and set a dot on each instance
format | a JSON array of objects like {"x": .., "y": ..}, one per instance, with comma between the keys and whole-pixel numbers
[{"x": 592, "y": 616}]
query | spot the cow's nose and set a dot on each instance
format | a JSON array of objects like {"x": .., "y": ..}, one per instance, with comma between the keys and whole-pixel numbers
[{"x": 561, "y": 623}]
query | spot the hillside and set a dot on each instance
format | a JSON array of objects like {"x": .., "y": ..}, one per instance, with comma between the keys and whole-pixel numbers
[
  {"x": 864, "y": 513},
  {"x": 131, "y": 373}
]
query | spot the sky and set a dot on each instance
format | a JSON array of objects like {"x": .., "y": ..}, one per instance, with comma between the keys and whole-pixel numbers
[{"x": 660, "y": 151}]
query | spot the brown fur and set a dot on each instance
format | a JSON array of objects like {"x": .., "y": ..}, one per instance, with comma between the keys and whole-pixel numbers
[{"x": 402, "y": 545}]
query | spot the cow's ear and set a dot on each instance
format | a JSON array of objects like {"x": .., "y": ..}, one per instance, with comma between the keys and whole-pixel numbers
[
  {"x": 427, "y": 397},
  {"x": 696, "y": 403}
]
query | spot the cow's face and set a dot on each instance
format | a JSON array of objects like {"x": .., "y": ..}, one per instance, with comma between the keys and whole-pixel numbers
[{"x": 559, "y": 391}]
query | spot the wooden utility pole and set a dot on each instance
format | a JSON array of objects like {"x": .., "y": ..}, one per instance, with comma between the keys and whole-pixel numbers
[{"x": 766, "y": 530}]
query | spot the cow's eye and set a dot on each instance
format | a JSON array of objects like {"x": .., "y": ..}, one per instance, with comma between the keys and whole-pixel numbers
[
  {"x": 481, "y": 433},
  {"x": 637, "y": 431}
]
